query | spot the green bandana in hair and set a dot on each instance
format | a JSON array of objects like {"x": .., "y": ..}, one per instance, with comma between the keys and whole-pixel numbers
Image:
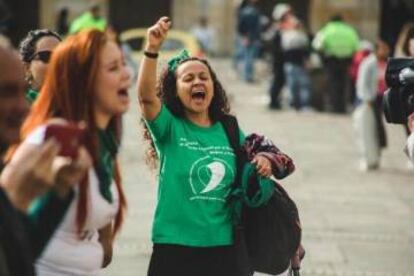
[
  {"x": 31, "y": 95},
  {"x": 176, "y": 60},
  {"x": 108, "y": 148}
]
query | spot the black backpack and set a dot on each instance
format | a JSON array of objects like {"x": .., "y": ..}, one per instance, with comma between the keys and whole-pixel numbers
[{"x": 271, "y": 232}]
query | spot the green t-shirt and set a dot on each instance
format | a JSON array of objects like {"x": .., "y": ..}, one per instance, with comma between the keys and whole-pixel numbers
[{"x": 197, "y": 169}]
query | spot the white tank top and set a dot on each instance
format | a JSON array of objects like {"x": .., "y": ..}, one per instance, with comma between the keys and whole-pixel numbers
[{"x": 67, "y": 253}]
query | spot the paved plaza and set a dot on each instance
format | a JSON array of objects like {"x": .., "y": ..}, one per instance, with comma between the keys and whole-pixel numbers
[{"x": 354, "y": 223}]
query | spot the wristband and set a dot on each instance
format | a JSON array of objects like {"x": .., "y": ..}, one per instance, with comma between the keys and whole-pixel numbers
[{"x": 151, "y": 55}]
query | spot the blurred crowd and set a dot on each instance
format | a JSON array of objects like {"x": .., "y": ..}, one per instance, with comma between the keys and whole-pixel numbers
[
  {"x": 333, "y": 70},
  {"x": 60, "y": 208}
]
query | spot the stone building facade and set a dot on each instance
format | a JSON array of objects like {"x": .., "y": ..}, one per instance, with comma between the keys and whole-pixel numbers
[{"x": 364, "y": 15}]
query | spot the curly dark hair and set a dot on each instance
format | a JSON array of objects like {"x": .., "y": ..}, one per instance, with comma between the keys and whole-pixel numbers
[
  {"x": 167, "y": 91},
  {"x": 27, "y": 47}
]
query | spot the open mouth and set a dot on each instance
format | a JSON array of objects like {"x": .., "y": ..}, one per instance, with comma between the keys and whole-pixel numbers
[
  {"x": 198, "y": 95},
  {"x": 123, "y": 93}
]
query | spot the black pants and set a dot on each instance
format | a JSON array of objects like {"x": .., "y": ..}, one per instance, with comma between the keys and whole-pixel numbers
[
  {"x": 339, "y": 82},
  {"x": 176, "y": 260},
  {"x": 276, "y": 85},
  {"x": 379, "y": 113}
]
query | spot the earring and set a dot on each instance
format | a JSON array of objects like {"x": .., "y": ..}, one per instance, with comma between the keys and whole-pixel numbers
[{"x": 29, "y": 78}]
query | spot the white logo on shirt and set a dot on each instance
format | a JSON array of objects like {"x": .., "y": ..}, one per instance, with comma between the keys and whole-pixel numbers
[
  {"x": 217, "y": 174},
  {"x": 207, "y": 179}
]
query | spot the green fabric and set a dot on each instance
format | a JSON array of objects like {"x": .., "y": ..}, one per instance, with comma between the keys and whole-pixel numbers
[
  {"x": 197, "y": 169},
  {"x": 108, "y": 148},
  {"x": 31, "y": 95},
  {"x": 87, "y": 21},
  {"x": 28, "y": 234},
  {"x": 265, "y": 190},
  {"x": 176, "y": 60},
  {"x": 39, "y": 203},
  {"x": 338, "y": 39}
]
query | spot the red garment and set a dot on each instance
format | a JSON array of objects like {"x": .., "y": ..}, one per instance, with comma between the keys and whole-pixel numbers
[
  {"x": 255, "y": 144},
  {"x": 358, "y": 57},
  {"x": 382, "y": 86}
]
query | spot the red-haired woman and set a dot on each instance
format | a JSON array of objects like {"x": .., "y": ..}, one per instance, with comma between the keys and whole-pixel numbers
[{"x": 86, "y": 82}]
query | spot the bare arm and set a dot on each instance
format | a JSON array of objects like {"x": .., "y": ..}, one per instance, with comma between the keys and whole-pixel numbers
[
  {"x": 409, "y": 147},
  {"x": 37, "y": 168},
  {"x": 147, "y": 77},
  {"x": 106, "y": 240}
]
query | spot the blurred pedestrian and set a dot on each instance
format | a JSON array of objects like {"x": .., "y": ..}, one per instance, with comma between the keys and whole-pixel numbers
[
  {"x": 408, "y": 45},
  {"x": 86, "y": 82},
  {"x": 113, "y": 34},
  {"x": 24, "y": 235},
  {"x": 295, "y": 50},
  {"x": 35, "y": 51},
  {"x": 366, "y": 48},
  {"x": 62, "y": 22},
  {"x": 249, "y": 28},
  {"x": 5, "y": 16},
  {"x": 278, "y": 78},
  {"x": 205, "y": 35},
  {"x": 193, "y": 229},
  {"x": 238, "y": 48},
  {"x": 399, "y": 51},
  {"x": 337, "y": 42},
  {"x": 91, "y": 19},
  {"x": 368, "y": 115}
]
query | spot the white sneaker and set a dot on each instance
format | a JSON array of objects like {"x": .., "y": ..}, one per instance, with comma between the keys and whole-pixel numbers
[{"x": 365, "y": 167}]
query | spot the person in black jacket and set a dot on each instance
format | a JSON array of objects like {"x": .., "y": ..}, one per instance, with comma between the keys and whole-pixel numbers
[
  {"x": 295, "y": 47},
  {"x": 278, "y": 79},
  {"x": 23, "y": 235},
  {"x": 249, "y": 29}
]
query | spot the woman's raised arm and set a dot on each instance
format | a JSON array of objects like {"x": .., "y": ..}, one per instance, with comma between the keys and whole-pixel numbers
[{"x": 147, "y": 76}]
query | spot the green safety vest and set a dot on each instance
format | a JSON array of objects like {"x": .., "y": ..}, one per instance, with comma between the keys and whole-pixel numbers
[
  {"x": 337, "y": 39},
  {"x": 87, "y": 21}
]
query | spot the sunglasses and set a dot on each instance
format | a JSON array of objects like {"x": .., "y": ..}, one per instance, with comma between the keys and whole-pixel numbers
[{"x": 43, "y": 56}]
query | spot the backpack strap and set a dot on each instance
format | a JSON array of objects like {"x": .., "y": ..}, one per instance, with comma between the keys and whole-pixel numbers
[{"x": 231, "y": 127}]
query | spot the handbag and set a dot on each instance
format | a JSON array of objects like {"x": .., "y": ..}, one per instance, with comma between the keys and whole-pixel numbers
[{"x": 270, "y": 231}]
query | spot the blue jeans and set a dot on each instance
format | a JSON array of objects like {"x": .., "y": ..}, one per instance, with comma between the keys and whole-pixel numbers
[
  {"x": 298, "y": 82},
  {"x": 238, "y": 53},
  {"x": 249, "y": 53}
]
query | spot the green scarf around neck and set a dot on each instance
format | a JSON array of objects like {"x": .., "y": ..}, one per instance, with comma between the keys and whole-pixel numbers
[{"x": 108, "y": 149}]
